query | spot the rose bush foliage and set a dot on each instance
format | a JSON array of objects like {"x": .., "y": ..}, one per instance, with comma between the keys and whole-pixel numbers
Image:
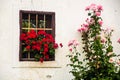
[{"x": 100, "y": 62}]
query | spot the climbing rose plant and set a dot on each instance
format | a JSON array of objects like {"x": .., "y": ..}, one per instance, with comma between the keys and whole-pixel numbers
[
  {"x": 100, "y": 62},
  {"x": 40, "y": 43}
]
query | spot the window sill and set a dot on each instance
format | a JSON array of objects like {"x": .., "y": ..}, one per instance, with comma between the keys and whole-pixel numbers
[{"x": 30, "y": 64}]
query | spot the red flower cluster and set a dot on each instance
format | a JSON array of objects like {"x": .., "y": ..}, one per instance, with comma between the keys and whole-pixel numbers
[{"x": 40, "y": 43}]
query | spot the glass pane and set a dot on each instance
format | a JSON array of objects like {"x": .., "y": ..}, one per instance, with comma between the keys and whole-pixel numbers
[
  {"x": 40, "y": 21},
  {"x": 48, "y": 21},
  {"x": 32, "y": 20},
  {"x": 32, "y": 55},
  {"x": 24, "y": 20},
  {"x": 24, "y": 30},
  {"x": 48, "y": 31},
  {"x": 24, "y": 55}
]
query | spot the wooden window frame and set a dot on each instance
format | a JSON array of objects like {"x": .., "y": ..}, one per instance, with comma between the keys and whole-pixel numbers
[{"x": 37, "y": 13}]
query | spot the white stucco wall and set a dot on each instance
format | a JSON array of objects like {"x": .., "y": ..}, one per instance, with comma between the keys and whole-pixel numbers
[{"x": 70, "y": 14}]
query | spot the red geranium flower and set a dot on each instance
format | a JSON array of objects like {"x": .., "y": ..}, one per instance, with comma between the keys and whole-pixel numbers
[
  {"x": 45, "y": 49},
  {"x": 27, "y": 42},
  {"x": 41, "y": 32},
  {"x": 41, "y": 60},
  {"x": 32, "y": 34},
  {"x": 28, "y": 47},
  {"x": 47, "y": 57},
  {"x": 44, "y": 53},
  {"x": 45, "y": 45},
  {"x": 23, "y": 36},
  {"x": 33, "y": 42},
  {"x": 40, "y": 43},
  {"x": 55, "y": 45}
]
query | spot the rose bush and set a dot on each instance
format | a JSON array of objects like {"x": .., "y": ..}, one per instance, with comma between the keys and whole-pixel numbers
[{"x": 100, "y": 62}]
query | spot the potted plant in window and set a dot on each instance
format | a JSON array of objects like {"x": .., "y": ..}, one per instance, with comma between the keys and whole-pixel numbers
[
  {"x": 39, "y": 43},
  {"x": 100, "y": 60}
]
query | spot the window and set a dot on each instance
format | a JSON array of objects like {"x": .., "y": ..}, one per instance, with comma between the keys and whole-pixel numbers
[{"x": 35, "y": 20}]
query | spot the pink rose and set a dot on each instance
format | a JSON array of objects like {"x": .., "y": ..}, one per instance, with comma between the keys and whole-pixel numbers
[
  {"x": 93, "y": 7},
  {"x": 97, "y": 13},
  {"x": 83, "y": 29},
  {"x": 100, "y": 22},
  {"x": 87, "y": 8},
  {"x": 111, "y": 60},
  {"x": 70, "y": 43},
  {"x": 73, "y": 43},
  {"x": 103, "y": 40},
  {"x": 118, "y": 40},
  {"x": 118, "y": 62},
  {"x": 99, "y": 7},
  {"x": 87, "y": 20},
  {"x": 85, "y": 25},
  {"x": 92, "y": 21}
]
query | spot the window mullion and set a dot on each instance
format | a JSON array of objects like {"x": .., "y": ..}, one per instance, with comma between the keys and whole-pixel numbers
[
  {"x": 28, "y": 22},
  {"x": 28, "y": 31},
  {"x": 44, "y": 22},
  {"x": 36, "y": 22}
]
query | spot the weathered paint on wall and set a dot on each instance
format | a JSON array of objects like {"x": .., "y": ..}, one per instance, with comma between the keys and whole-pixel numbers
[{"x": 69, "y": 15}]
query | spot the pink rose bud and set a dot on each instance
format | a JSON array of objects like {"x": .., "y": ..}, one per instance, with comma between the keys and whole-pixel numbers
[
  {"x": 61, "y": 45},
  {"x": 118, "y": 40},
  {"x": 70, "y": 49},
  {"x": 70, "y": 43}
]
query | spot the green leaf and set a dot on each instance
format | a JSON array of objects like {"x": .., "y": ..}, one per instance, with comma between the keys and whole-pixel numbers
[{"x": 24, "y": 50}]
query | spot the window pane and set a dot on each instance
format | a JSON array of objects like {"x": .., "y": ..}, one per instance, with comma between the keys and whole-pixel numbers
[
  {"x": 24, "y": 55},
  {"x": 32, "y": 20},
  {"x": 24, "y": 16},
  {"x": 40, "y": 21},
  {"x": 32, "y": 55},
  {"x": 24, "y": 30},
  {"x": 24, "y": 20},
  {"x": 48, "y": 31},
  {"x": 48, "y": 21}
]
